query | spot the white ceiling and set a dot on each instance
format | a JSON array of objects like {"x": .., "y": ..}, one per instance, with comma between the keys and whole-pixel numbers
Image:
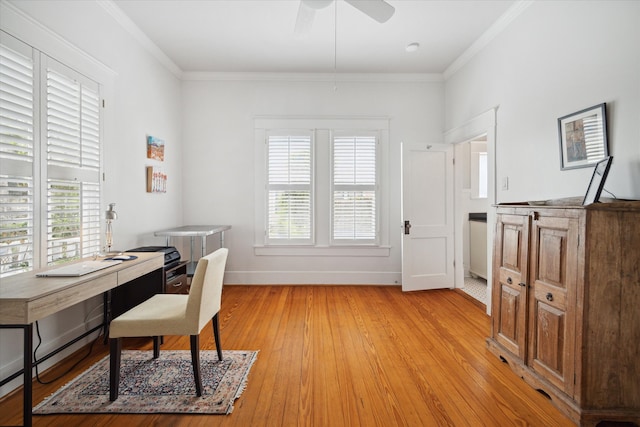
[{"x": 258, "y": 35}]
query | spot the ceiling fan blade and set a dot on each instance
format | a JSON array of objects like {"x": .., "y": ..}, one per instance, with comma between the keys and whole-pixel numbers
[
  {"x": 379, "y": 10},
  {"x": 304, "y": 21}
]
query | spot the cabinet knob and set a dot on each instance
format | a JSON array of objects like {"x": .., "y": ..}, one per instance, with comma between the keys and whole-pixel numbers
[
  {"x": 522, "y": 284},
  {"x": 509, "y": 281},
  {"x": 549, "y": 296}
]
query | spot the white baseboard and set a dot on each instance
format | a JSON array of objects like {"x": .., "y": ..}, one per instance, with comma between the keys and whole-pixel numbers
[{"x": 312, "y": 278}]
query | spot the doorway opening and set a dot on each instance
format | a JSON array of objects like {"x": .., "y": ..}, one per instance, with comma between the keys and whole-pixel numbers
[
  {"x": 482, "y": 125},
  {"x": 472, "y": 206}
]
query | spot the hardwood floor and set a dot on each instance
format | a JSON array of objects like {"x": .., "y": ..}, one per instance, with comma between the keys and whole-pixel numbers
[{"x": 343, "y": 356}]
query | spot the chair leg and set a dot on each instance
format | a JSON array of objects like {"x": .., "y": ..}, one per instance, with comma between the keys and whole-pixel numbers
[
  {"x": 195, "y": 361},
  {"x": 115, "y": 351},
  {"x": 156, "y": 347},
  {"x": 216, "y": 334}
]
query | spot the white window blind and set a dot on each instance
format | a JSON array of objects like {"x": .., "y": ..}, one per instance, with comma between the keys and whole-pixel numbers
[
  {"x": 73, "y": 165},
  {"x": 354, "y": 218},
  {"x": 16, "y": 158},
  {"x": 16, "y": 105},
  {"x": 50, "y": 119},
  {"x": 73, "y": 121},
  {"x": 289, "y": 189}
]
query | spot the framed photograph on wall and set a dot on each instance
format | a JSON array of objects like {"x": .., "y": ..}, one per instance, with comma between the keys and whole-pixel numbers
[
  {"x": 583, "y": 137},
  {"x": 155, "y": 148},
  {"x": 156, "y": 180}
]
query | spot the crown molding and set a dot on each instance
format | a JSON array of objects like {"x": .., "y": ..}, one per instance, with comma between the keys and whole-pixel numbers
[
  {"x": 16, "y": 23},
  {"x": 128, "y": 25},
  {"x": 512, "y": 13},
  {"x": 125, "y": 22},
  {"x": 313, "y": 77}
]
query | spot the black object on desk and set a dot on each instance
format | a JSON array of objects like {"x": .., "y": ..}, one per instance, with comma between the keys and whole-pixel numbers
[{"x": 171, "y": 254}]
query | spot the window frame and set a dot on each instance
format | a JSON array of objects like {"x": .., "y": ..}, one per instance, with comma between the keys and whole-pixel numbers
[{"x": 322, "y": 128}]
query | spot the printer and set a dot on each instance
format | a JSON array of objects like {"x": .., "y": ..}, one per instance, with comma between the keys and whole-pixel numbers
[{"x": 171, "y": 254}]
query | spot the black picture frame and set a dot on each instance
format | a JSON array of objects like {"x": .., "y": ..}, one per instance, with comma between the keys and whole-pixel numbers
[
  {"x": 583, "y": 137},
  {"x": 596, "y": 184}
]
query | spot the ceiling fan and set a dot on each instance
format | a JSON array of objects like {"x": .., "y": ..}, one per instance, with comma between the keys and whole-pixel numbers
[{"x": 378, "y": 10}]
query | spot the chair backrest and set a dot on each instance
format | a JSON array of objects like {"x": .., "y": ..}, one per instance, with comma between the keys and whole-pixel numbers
[{"x": 205, "y": 293}]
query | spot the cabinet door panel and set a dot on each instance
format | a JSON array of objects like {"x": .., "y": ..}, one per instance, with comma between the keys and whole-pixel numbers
[
  {"x": 549, "y": 339},
  {"x": 510, "y": 305},
  {"x": 554, "y": 280},
  {"x": 509, "y": 287}
]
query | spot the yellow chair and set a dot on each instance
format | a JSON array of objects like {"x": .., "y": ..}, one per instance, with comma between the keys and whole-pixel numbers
[{"x": 172, "y": 314}]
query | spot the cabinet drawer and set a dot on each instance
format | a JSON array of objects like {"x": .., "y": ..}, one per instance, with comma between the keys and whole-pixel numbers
[{"x": 177, "y": 285}]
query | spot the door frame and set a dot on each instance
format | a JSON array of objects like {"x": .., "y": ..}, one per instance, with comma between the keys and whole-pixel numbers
[{"x": 484, "y": 123}]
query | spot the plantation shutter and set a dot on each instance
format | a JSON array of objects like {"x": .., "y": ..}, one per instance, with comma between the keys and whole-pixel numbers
[
  {"x": 289, "y": 189},
  {"x": 354, "y": 189},
  {"x": 16, "y": 157},
  {"x": 73, "y": 165}
]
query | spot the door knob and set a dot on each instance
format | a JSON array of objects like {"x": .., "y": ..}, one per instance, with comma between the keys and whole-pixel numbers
[
  {"x": 407, "y": 227},
  {"x": 549, "y": 296}
]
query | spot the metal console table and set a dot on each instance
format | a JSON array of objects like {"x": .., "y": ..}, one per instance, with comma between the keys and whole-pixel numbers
[{"x": 193, "y": 231}]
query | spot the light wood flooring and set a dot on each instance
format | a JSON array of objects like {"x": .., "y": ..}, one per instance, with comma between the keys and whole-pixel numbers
[{"x": 343, "y": 356}]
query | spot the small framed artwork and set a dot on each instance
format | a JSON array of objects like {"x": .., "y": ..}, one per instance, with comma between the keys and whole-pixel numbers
[
  {"x": 583, "y": 137},
  {"x": 155, "y": 148},
  {"x": 598, "y": 178},
  {"x": 156, "y": 180}
]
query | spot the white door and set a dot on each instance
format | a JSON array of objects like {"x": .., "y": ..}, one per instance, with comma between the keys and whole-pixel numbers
[{"x": 427, "y": 204}]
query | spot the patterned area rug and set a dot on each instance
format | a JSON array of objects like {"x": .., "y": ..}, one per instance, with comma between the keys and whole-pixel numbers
[{"x": 163, "y": 385}]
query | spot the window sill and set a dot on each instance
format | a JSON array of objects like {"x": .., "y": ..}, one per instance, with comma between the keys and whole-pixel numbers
[{"x": 338, "y": 251}]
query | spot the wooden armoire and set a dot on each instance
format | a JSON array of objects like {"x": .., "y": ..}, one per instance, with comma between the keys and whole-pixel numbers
[{"x": 566, "y": 304}]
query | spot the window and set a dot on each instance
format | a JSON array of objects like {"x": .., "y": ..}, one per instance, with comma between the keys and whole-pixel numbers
[
  {"x": 16, "y": 158},
  {"x": 73, "y": 165},
  {"x": 50, "y": 161},
  {"x": 478, "y": 168},
  {"x": 289, "y": 182},
  {"x": 354, "y": 179},
  {"x": 482, "y": 175},
  {"x": 320, "y": 189}
]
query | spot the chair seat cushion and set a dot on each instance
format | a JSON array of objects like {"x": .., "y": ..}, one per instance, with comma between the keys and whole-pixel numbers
[{"x": 162, "y": 314}]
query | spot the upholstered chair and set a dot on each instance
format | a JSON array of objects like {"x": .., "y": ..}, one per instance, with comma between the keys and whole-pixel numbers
[{"x": 173, "y": 314}]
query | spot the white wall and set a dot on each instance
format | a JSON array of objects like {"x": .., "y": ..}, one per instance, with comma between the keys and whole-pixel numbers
[
  {"x": 554, "y": 59},
  {"x": 141, "y": 97},
  {"x": 218, "y": 177}
]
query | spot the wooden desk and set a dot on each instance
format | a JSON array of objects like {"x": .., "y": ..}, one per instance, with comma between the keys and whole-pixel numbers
[{"x": 25, "y": 298}]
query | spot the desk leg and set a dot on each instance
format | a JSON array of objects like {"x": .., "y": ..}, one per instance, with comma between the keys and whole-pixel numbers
[
  {"x": 106, "y": 315},
  {"x": 27, "y": 387},
  {"x": 191, "y": 250}
]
